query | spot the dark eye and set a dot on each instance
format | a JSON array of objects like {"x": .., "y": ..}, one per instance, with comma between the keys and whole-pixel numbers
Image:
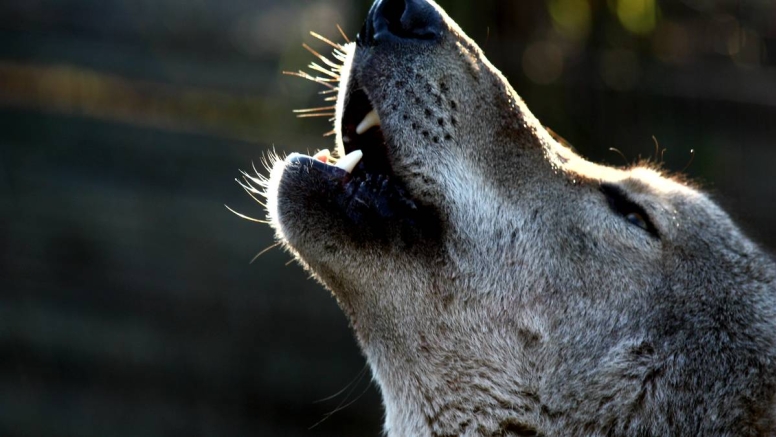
[
  {"x": 631, "y": 211},
  {"x": 638, "y": 220}
]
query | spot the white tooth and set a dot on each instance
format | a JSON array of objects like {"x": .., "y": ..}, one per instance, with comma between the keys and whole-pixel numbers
[
  {"x": 324, "y": 152},
  {"x": 350, "y": 161},
  {"x": 368, "y": 122}
]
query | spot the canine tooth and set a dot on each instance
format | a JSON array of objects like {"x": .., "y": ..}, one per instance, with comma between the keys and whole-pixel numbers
[
  {"x": 371, "y": 120},
  {"x": 322, "y": 155},
  {"x": 350, "y": 161}
]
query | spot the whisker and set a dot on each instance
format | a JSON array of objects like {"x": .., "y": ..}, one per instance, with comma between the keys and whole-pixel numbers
[
  {"x": 322, "y": 58},
  {"x": 315, "y": 67},
  {"x": 612, "y": 149},
  {"x": 692, "y": 158},
  {"x": 368, "y": 386},
  {"x": 251, "y": 191},
  {"x": 265, "y": 162},
  {"x": 342, "y": 32},
  {"x": 353, "y": 381},
  {"x": 342, "y": 405},
  {"x": 338, "y": 55},
  {"x": 256, "y": 199},
  {"x": 326, "y": 114},
  {"x": 326, "y": 40},
  {"x": 247, "y": 186},
  {"x": 243, "y": 216},
  {"x": 260, "y": 181},
  {"x": 304, "y": 75},
  {"x": 265, "y": 251},
  {"x": 330, "y": 133},
  {"x": 323, "y": 108}
]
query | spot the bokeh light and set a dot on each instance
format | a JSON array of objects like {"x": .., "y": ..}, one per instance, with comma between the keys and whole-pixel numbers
[
  {"x": 543, "y": 62},
  {"x": 638, "y": 16},
  {"x": 572, "y": 18}
]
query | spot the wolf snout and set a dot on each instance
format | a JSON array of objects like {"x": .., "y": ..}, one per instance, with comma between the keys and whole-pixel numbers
[{"x": 402, "y": 19}]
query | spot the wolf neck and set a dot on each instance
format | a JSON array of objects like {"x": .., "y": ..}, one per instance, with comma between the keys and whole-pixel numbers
[
  {"x": 418, "y": 406},
  {"x": 432, "y": 388}
]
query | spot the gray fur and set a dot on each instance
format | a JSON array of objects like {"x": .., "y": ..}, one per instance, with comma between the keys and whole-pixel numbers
[{"x": 537, "y": 310}]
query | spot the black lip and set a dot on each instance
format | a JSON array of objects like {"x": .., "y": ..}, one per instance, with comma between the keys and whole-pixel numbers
[{"x": 303, "y": 161}]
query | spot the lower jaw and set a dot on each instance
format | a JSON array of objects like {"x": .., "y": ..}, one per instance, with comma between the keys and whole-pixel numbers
[{"x": 366, "y": 209}]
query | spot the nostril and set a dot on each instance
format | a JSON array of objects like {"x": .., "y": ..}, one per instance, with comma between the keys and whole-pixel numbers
[
  {"x": 406, "y": 19},
  {"x": 392, "y": 11}
]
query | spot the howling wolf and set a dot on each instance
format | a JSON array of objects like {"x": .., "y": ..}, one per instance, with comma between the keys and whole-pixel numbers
[{"x": 501, "y": 285}]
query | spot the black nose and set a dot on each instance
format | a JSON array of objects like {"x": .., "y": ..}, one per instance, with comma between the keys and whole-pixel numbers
[{"x": 404, "y": 19}]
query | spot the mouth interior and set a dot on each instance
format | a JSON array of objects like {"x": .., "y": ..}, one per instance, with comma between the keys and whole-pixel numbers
[{"x": 360, "y": 116}]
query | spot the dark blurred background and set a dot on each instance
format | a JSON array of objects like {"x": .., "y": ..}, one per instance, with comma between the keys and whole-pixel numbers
[{"x": 128, "y": 306}]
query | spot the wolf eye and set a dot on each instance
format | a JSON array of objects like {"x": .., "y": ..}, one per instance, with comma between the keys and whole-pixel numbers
[
  {"x": 636, "y": 219},
  {"x": 631, "y": 211}
]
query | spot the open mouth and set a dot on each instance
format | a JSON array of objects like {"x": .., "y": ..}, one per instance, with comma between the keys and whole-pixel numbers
[
  {"x": 361, "y": 129},
  {"x": 361, "y": 181},
  {"x": 365, "y": 149},
  {"x": 363, "y": 144}
]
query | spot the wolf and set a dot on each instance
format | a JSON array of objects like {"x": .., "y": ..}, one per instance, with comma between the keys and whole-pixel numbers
[{"x": 501, "y": 285}]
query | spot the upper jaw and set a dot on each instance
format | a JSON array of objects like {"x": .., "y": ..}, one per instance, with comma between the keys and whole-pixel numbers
[
  {"x": 358, "y": 121},
  {"x": 367, "y": 198}
]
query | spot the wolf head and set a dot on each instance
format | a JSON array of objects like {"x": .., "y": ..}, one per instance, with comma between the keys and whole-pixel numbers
[{"x": 498, "y": 283}]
